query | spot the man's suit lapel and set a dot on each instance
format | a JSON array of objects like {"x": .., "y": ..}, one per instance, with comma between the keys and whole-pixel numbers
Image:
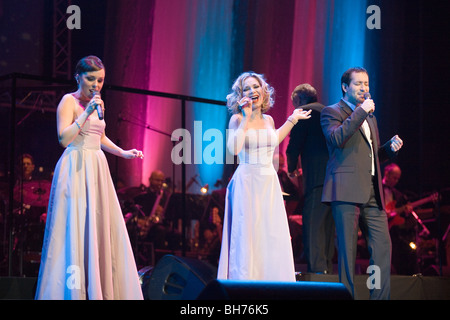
[
  {"x": 345, "y": 107},
  {"x": 349, "y": 111},
  {"x": 373, "y": 131}
]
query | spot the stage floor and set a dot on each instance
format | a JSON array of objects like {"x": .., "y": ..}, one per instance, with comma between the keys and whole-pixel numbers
[{"x": 402, "y": 287}]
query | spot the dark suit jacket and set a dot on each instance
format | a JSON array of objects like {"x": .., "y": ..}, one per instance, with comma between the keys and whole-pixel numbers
[
  {"x": 307, "y": 140},
  {"x": 348, "y": 175}
]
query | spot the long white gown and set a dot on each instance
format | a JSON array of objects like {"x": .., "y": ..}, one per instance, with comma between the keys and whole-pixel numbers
[
  {"x": 256, "y": 243},
  {"x": 86, "y": 251}
]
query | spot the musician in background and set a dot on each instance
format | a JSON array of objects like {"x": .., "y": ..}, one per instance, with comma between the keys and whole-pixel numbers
[
  {"x": 150, "y": 221},
  {"x": 294, "y": 189},
  {"x": 31, "y": 195},
  {"x": 25, "y": 195},
  {"x": 393, "y": 197},
  {"x": 211, "y": 236},
  {"x": 153, "y": 193},
  {"x": 401, "y": 223},
  {"x": 27, "y": 167}
]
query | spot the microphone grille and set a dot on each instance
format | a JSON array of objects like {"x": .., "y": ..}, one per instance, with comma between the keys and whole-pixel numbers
[{"x": 367, "y": 95}]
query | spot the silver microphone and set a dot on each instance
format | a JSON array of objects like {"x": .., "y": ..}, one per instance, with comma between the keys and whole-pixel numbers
[
  {"x": 241, "y": 105},
  {"x": 367, "y": 96},
  {"x": 98, "y": 107}
]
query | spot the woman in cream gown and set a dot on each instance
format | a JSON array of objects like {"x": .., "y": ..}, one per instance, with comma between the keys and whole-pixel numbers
[
  {"x": 256, "y": 243},
  {"x": 86, "y": 252}
]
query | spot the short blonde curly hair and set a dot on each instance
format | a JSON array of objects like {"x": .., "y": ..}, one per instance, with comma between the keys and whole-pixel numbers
[{"x": 236, "y": 93}]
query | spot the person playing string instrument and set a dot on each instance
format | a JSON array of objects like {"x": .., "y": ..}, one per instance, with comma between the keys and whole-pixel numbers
[
  {"x": 396, "y": 202},
  {"x": 401, "y": 223}
]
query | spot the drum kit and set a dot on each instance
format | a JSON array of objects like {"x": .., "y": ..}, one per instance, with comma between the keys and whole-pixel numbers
[
  {"x": 27, "y": 224},
  {"x": 33, "y": 193}
]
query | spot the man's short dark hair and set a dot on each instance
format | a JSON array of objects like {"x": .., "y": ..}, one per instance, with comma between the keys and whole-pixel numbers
[{"x": 303, "y": 94}]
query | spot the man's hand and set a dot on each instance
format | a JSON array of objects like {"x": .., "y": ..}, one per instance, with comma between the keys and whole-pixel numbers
[
  {"x": 368, "y": 105},
  {"x": 396, "y": 143}
]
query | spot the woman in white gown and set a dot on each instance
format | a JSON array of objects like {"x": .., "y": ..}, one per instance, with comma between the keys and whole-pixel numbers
[
  {"x": 86, "y": 251},
  {"x": 256, "y": 243}
]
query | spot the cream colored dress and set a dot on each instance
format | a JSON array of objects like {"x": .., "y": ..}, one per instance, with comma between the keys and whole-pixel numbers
[
  {"x": 86, "y": 252},
  {"x": 256, "y": 243}
]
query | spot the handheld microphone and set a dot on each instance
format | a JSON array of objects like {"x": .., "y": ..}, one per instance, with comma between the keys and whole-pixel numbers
[
  {"x": 98, "y": 107},
  {"x": 242, "y": 105},
  {"x": 367, "y": 96}
]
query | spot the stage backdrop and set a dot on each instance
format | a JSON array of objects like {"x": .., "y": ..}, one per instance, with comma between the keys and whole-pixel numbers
[{"x": 199, "y": 47}]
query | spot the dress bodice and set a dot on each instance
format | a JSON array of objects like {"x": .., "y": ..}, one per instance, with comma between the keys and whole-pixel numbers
[
  {"x": 90, "y": 134},
  {"x": 259, "y": 147}
]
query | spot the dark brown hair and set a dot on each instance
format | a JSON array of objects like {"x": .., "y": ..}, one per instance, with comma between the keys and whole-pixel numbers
[
  {"x": 88, "y": 64},
  {"x": 303, "y": 94}
]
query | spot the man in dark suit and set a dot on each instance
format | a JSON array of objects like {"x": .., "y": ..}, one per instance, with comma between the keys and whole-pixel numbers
[
  {"x": 308, "y": 142},
  {"x": 353, "y": 184}
]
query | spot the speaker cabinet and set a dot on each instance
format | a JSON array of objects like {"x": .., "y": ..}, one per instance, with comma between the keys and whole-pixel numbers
[
  {"x": 266, "y": 290},
  {"x": 17, "y": 288},
  {"x": 176, "y": 278}
]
